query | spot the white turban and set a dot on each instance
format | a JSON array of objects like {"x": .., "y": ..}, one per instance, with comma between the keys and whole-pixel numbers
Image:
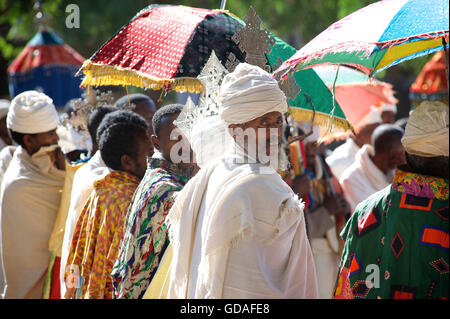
[
  {"x": 385, "y": 107},
  {"x": 248, "y": 93},
  {"x": 32, "y": 112},
  {"x": 4, "y": 107},
  {"x": 372, "y": 117},
  {"x": 426, "y": 133}
]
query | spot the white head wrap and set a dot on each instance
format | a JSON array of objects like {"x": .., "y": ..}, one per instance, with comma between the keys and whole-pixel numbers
[
  {"x": 385, "y": 107},
  {"x": 426, "y": 133},
  {"x": 32, "y": 112},
  {"x": 248, "y": 93},
  {"x": 372, "y": 117},
  {"x": 4, "y": 107}
]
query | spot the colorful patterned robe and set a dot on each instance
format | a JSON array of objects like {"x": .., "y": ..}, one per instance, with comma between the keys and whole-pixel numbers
[
  {"x": 99, "y": 229},
  {"x": 145, "y": 235},
  {"x": 397, "y": 242}
]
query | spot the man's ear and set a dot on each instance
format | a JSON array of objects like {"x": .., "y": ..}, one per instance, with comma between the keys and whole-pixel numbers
[
  {"x": 155, "y": 142},
  {"x": 30, "y": 145},
  {"x": 127, "y": 163}
]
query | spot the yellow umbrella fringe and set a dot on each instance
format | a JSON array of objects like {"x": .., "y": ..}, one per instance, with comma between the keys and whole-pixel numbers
[
  {"x": 321, "y": 119},
  {"x": 102, "y": 75}
]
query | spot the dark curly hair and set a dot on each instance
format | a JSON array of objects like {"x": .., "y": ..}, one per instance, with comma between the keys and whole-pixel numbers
[
  {"x": 96, "y": 117},
  {"x": 163, "y": 112},
  {"x": 118, "y": 135}
]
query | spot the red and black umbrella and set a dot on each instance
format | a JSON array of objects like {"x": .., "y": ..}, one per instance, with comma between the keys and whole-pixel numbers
[{"x": 163, "y": 46}]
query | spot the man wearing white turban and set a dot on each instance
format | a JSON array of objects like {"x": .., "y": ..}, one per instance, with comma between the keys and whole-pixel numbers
[
  {"x": 396, "y": 242},
  {"x": 30, "y": 195},
  {"x": 237, "y": 229},
  {"x": 344, "y": 155}
]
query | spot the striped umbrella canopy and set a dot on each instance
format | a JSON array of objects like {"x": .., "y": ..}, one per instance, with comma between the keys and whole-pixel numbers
[
  {"x": 166, "y": 47},
  {"x": 48, "y": 65},
  {"x": 378, "y": 36},
  {"x": 355, "y": 93}
]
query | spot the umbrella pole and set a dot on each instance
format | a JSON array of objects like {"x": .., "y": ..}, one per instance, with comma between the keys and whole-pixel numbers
[
  {"x": 223, "y": 3},
  {"x": 334, "y": 97},
  {"x": 446, "y": 60}
]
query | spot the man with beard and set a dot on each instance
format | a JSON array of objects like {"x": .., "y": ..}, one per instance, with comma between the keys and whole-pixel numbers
[
  {"x": 30, "y": 194},
  {"x": 236, "y": 228}
]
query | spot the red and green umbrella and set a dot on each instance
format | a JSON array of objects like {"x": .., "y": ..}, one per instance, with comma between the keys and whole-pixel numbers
[
  {"x": 163, "y": 47},
  {"x": 166, "y": 47}
]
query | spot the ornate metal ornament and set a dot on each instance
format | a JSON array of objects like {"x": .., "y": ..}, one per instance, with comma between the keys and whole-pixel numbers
[
  {"x": 254, "y": 41},
  {"x": 211, "y": 77},
  {"x": 82, "y": 108}
]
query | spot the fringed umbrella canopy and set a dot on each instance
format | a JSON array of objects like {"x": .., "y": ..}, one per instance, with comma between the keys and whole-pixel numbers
[{"x": 378, "y": 36}]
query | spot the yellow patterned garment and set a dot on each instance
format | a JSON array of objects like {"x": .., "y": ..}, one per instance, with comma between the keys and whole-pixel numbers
[{"x": 99, "y": 229}]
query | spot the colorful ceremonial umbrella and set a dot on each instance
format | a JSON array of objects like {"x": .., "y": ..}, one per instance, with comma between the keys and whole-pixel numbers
[
  {"x": 354, "y": 92},
  {"x": 163, "y": 47},
  {"x": 378, "y": 36},
  {"x": 48, "y": 65},
  {"x": 431, "y": 83},
  {"x": 166, "y": 47}
]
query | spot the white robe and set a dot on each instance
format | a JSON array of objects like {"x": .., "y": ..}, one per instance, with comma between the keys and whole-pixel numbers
[
  {"x": 6, "y": 155},
  {"x": 363, "y": 178},
  {"x": 237, "y": 233},
  {"x": 342, "y": 157},
  {"x": 82, "y": 186},
  {"x": 30, "y": 197}
]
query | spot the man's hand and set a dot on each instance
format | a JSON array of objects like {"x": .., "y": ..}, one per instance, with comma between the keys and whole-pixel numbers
[
  {"x": 302, "y": 185},
  {"x": 58, "y": 159},
  {"x": 336, "y": 205}
]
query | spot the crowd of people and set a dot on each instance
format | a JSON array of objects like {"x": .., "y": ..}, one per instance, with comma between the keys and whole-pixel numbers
[{"x": 366, "y": 219}]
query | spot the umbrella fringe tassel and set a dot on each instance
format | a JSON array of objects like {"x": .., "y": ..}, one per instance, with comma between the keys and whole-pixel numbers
[
  {"x": 322, "y": 120},
  {"x": 101, "y": 75}
]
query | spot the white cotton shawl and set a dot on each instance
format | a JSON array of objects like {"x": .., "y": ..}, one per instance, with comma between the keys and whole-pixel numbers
[
  {"x": 363, "y": 178},
  {"x": 248, "y": 93},
  {"x": 227, "y": 204},
  {"x": 342, "y": 157},
  {"x": 30, "y": 198}
]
